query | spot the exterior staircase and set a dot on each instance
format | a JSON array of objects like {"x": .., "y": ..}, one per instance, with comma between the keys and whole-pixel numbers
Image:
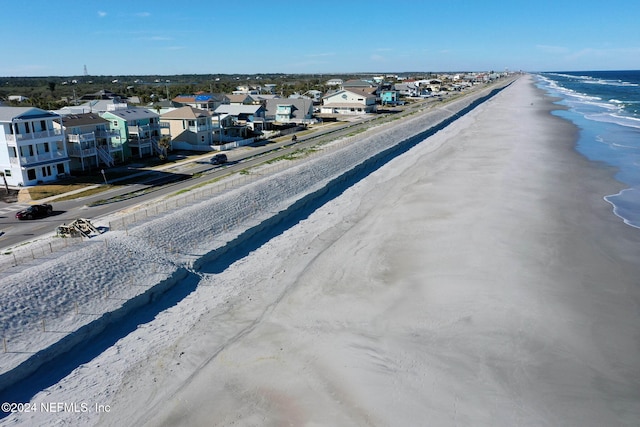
[
  {"x": 156, "y": 147},
  {"x": 105, "y": 156}
]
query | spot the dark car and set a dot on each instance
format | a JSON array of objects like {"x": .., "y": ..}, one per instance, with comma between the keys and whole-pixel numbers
[
  {"x": 35, "y": 211},
  {"x": 219, "y": 159}
]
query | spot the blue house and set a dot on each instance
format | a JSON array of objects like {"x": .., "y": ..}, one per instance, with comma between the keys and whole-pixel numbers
[{"x": 389, "y": 97}]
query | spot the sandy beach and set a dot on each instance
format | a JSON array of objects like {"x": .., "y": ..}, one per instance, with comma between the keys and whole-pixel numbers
[{"x": 478, "y": 279}]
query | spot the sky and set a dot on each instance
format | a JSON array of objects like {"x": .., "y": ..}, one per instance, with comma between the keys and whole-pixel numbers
[{"x": 141, "y": 37}]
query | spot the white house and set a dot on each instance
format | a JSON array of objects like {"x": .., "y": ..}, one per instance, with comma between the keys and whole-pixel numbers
[
  {"x": 32, "y": 149},
  {"x": 349, "y": 102}
]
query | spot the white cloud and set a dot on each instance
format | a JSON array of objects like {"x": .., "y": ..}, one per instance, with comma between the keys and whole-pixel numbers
[
  {"x": 102, "y": 14},
  {"x": 143, "y": 14},
  {"x": 376, "y": 57}
]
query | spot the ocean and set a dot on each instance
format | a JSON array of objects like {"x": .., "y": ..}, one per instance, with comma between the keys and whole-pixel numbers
[{"x": 605, "y": 105}]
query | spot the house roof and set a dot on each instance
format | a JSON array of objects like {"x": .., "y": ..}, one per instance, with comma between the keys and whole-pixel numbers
[
  {"x": 133, "y": 113},
  {"x": 82, "y": 120},
  {"x": 186, "y": 112},
  {"x": 235, "y": 110},
  {"x": 9, "y": 113},
  {"x": 351, "y": 90},
  {"x": 201, "y": 97},
  {"x": 357, "y": 83},
  {"x": 240, "y": 98},
  {"x": 264, "y": 97}
]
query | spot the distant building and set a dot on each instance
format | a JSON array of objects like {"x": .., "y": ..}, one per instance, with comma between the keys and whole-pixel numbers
[
  {"x": 17, "y": 98},
  {"x": 389, "y": 97}
]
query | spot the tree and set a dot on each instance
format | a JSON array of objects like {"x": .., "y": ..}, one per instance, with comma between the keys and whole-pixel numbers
[
  {"x": 164, "y": 144},
  {"x": 52, "y": 86}
]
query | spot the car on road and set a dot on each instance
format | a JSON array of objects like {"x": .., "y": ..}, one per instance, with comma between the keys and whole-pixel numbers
[
  {"x": 219, "y": 159},
  {"x": 35, "y": 211}
]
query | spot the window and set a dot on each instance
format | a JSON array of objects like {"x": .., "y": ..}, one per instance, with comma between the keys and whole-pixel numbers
[
  {"x": 7, "y": 172},
  {"x": 12, "y": 152},
  {"x": 43, "y": 125},
  {"x": 46, "y": 171},
  {"x": 192, "y": 122},
  {"x": 60, "y": 168},
  {"x": 31, "y": 174},
  {"x": 115, "y": 123}
]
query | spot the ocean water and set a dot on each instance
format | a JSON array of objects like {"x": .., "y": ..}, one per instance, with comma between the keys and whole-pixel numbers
[{"x": 605, "y": 105}]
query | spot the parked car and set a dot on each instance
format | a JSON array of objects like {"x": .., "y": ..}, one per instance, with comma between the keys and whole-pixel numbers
[
  {"x": 35, "y": 211},
  {"x": 219, "y": 159}
]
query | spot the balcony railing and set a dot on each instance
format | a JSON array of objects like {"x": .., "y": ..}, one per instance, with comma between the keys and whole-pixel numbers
[
  {"x": 33, "y": 135},
  {"x": 140, "y": 142},
  {"x": 44, "y": 157},
  {"x": 82, "y": 152},
  {"x": 107, "y": 133},
  {"x": 142, "y": 129},
  {"x": 79, "y": 138}
]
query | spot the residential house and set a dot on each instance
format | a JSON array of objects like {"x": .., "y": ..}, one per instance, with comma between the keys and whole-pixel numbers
[
  {"x": 139, "y": 130},
  {"x": 90, "y": 141},
  {"x": 315, "y": 95},
  {"x": 97, "y": 106},
  {"x": 190, "y": 128},
  {"x": 361, "y": 85},
  {"x": 407, "y": 88},
  {"x": 290, "y": 110},
  {"x": 248, "y": 116},
  {"x": 334, "y": 82},
  {"x": 202, "y": 101},
  {"x": 17, "y": 98},
  {"x": 389, "y": 97},
  {"x": 348, "y": 102},
  {"x": 241, "y": 99},
  {"x": 32, "y": 149},
  {"x": 164, "y": 106}
]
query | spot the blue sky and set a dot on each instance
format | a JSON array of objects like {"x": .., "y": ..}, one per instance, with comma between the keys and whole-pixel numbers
[{"x": 116, "y": 37}]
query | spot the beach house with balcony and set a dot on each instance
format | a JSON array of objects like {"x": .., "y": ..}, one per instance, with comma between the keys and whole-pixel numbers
[
  {"x": 32, "y": 148},
  {"x": 90, "y": 141},
  {"x": 139, "y": 130},
  {"x": 191, "y": 128}
]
